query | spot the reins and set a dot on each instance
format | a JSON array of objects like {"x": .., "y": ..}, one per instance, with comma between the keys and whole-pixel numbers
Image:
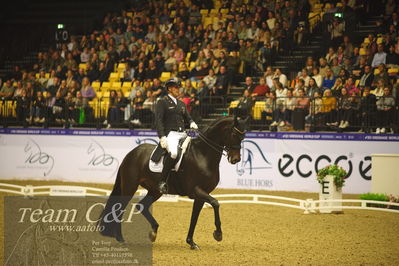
[{"x": 219, "y": 148}]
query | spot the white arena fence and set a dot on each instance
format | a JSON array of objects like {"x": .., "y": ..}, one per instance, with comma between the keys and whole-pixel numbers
[{"x": 308, "y": 205}]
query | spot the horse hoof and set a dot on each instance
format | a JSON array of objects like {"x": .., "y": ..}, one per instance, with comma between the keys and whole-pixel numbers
[
  {"x": 217, "y": 236},
  {"x": 120, "y": 239},
  {"x": 194, "y": 247},
  {"x": 152, "y": 235}
]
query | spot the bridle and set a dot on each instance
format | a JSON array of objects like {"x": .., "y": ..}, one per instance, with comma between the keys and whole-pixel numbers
[{"x": 223, "y": 150}]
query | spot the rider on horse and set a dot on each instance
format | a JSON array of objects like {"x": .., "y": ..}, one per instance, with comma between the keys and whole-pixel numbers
[{"x": 170, "y": 117}]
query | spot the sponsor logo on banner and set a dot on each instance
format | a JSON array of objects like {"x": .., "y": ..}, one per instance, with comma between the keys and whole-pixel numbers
[
  {"x": 254, "y": 167},
  {"x": 36, "y": 158},
  {"x": 304, "y": 164},
  {"x": 249, "y": 160},
  {"x": 99, "y": 159}
]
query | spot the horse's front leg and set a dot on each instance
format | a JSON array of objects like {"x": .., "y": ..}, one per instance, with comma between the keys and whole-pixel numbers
[
  {"x": 201, "y": 194},
  {"x": 197, "y": 207}
]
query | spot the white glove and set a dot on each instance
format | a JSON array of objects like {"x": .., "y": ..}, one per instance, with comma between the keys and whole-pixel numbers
[
  {"x": 164, "y": 142},
  {"x": 193, "y": 125}
]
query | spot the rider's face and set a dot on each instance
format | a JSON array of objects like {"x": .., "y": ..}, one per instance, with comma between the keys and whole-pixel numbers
[{"x": 174, "y": 91}]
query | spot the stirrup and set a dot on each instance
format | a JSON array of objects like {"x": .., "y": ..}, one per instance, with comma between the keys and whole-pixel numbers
[{"x": 163, "y": 188}]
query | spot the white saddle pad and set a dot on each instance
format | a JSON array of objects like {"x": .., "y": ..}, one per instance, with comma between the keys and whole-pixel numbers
[{"x": 157, "y": 167}]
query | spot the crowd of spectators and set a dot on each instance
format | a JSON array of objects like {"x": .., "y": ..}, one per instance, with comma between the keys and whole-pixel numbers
[
  {"x": 354, "y": 85},
  {"x": 209, "y": 52}
]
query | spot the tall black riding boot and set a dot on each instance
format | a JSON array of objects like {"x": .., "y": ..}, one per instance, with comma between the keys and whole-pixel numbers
[{"x": 167, "y": 167}]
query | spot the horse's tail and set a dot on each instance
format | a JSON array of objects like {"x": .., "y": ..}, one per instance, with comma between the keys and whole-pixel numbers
[
  {"x": 117, "y": 190},
  {"x": 112, "y": 228}
]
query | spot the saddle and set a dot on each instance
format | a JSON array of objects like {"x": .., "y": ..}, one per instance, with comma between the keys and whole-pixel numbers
[{"x": 157, "y": 156}]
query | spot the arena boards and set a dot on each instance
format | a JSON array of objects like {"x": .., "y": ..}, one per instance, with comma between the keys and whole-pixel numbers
[{"x": 270, "y": 160}]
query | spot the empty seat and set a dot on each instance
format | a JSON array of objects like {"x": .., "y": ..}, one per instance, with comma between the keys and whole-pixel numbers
[{"x": 164, "y": 76}]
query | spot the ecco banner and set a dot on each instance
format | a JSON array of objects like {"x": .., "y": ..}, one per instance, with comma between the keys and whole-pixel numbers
[{"x": 269, "y": 160}]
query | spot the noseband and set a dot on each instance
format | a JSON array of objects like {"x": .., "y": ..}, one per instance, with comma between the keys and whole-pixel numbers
[{"x": 219, "y": 148}]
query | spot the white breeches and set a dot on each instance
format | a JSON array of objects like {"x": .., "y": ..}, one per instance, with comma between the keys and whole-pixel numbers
[{"x": 173, "y": 142}]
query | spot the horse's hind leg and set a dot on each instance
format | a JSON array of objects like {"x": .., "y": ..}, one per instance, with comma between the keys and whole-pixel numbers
[{"x": 146, "y": 202}]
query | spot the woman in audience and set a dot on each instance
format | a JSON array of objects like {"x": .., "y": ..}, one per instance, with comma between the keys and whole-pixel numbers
[{"x": 385, "y": 111}]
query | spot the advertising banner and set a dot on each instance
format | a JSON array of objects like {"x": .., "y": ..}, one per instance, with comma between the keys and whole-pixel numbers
[{"x": 269, "y": 161}]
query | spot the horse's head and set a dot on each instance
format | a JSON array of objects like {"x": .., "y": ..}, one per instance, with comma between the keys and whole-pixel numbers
[{"x": 234, "y": 138}]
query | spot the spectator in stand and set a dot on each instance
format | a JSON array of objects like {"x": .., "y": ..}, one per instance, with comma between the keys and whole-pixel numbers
[
  {"x": 368, "y": 110},
  {"x": 302, "y": 102},
  {"x": 317, "y": 77},
  {"x": 87, "y": 90},
  {"x": 187, "y": 90},
  {"x": 379, "y": 90},
  {"x": 343, "y": 75},
  {"x": 304, "y": 75},
  {"x": 392, "y": 58},
  {"x": 152, "y": 71},
  {"x": 261, "y": 89},
  {"x": 183, "y": 73},
  {"x": 138, "y": 102},
  {"x": 69, "y": 112},
  {"x": 210, "y": 81},
  {"x": 382, "y": 75},
  {"x": 268, "y": 75},
  {"x": 345, "y": 110},
  {"x": 248, "y": 57},
  {"x": 48, "y": 107},
  {"x": 42, "y": 78},
  {"x": 348, "y": 46},
  {"x": 140, "y": 72},
  {"x": 7, "y": 91},
  {"x": 18, "y": 90},
  {"x": 323, "y": 66},
  {"x": 315, "y": 109},
  {"x": 312, "y": 88},
  {"x": 157, "y": 89},
  {"x": 351, "y": 87},
  {"x": 289, "y": 106},
  {"x": 249, "y": 84},
  {"x": 244, "y": 107},
  {"x": 335, "y": 67},
  {"x": 336, "y": 89},
  {"x": 178, "y": 52},
  {"x": 103, "y": 73},
  {"x": 58, "y": 108},
  {"x": 233, "y": 64},
  {"x": 379, "y": 57},
  {"x": 85, "y": 55},
  {"x": 37, "y": 109},
  {"x": 23, "y": 105},
  {"x": 281, "y": 77},
  {"x": 385, "y": 111},
  {"x": 222, "y": 82},
  {"x": 329, "y": 107},
  {"x": 329, "y": 79},
  {"x": 300, "y": 84},
  {"x": 340, "y": 55},
  {"x": 310, "y": 64},
  {"x": 347, "y": 65},
  {"x": 330, "y": 55},
  {"x": 336, "y": 29},
  {"x": 367, "y": 78},
  {"x": 170, "y": 61}
]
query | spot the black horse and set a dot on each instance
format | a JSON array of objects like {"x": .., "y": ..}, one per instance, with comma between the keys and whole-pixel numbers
[{"x": 197, "y": 177}]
